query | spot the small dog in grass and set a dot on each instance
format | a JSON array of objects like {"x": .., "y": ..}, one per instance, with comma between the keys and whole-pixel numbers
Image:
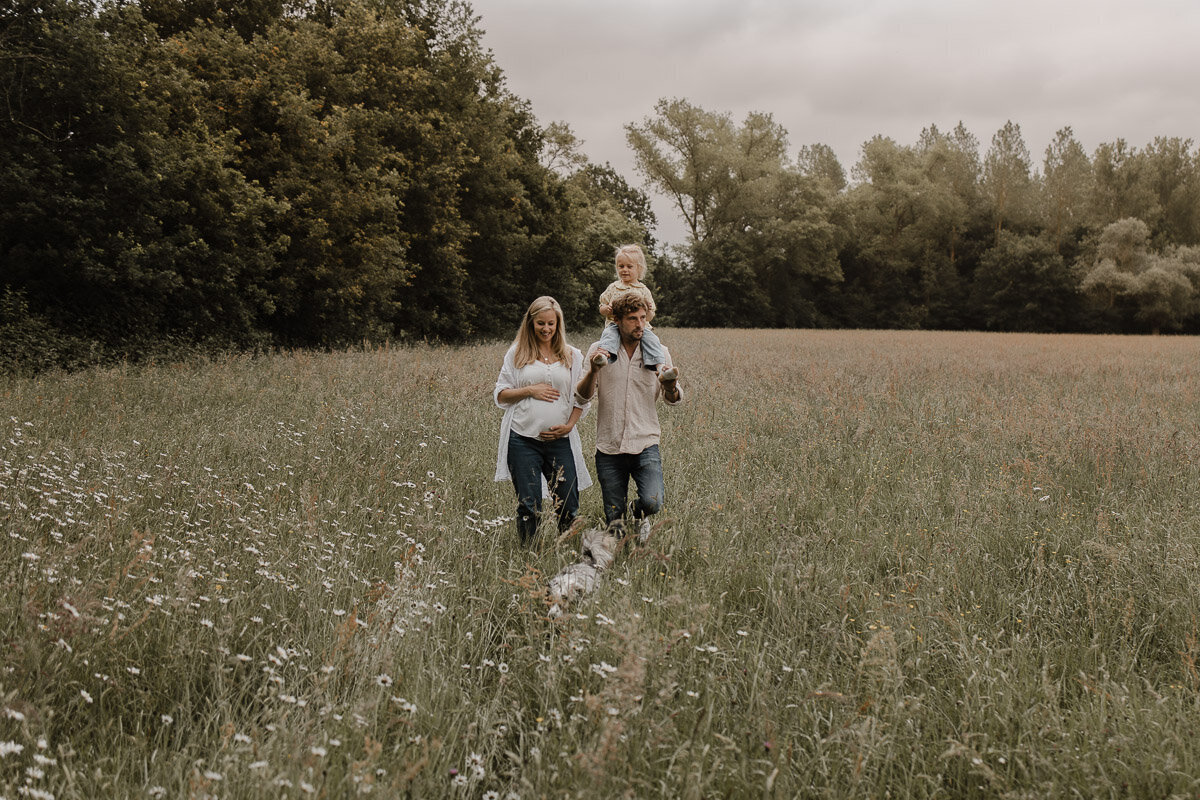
[{"x": 599, "y": 547}]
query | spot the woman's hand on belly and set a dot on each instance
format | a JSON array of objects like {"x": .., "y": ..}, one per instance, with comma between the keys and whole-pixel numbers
[
  {"x": 555, "y": 432},
  {"x": 543, "y": 391}
]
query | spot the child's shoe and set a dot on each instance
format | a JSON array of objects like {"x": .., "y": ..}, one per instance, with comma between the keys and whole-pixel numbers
[
  {"x": 599, "y": 360},
  {"x": 667, "y": 374}
]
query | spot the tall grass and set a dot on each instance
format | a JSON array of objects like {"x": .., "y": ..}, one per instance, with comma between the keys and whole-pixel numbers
[{"x": 891, "y": 565}]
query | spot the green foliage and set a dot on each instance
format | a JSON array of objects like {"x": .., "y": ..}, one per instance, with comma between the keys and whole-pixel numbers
[
  {"x": 819, "y": 161},
  {"x": 274, "y": 173},
  {"x": 248, "y": 175},
  {"x": 1067, "y": 182},
  {"x": 920, "y": 234},
  {"x": 31, "y": 343},
  {"x": 911, "y": 211},
  {"x": 760, "y": 227},
  {"x": 1007, "y": 184},
  {"x": 1022, "y": 284},
  {"x": 132, "y": 220},
  {"x": 1153, "y": 290}
]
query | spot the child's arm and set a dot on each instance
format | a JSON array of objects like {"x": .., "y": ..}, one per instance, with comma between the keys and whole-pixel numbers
[
  {"x": 606, "y": 300},
  {"x": 653, "y": 308}
]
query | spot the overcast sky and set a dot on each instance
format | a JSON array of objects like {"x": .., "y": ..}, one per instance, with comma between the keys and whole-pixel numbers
[{"x": 838, "y": 72}]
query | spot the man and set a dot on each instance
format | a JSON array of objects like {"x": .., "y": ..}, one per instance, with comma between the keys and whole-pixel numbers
[{"x": 627, "y": 430}]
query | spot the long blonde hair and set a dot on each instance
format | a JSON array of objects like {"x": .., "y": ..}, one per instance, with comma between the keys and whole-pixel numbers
[{"x": 525, "y": 343}]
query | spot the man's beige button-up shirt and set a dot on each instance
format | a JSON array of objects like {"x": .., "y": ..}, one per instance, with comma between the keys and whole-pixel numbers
[{"x": 627, "y": 418}]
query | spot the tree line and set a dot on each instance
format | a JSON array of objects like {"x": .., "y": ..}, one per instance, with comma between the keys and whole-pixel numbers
[
  {"x": 274, "y": 173},
  {"x": 939, "y": 234},
  {"x": 317, "y": 173}
]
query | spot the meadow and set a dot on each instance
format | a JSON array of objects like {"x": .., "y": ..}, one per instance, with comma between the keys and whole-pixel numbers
[{"x": 892, "y": 564}]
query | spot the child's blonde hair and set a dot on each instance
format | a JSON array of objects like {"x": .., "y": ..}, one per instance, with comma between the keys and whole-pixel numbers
[{"x": 634, "y": 254}]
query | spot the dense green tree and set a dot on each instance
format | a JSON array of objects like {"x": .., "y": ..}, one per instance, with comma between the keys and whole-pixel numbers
[
  {"x": 247, "y": 17},
  {"x": 1173, "y": 173},
  {"x": 328, "y": 123},
  {"x": 1007, "y": 183},
  {"x": 755, "y": 220},
  {"x": 299, "y": 173},
  {"x": 909, "y": 210},
  {"x": 1121, "y": 186},
  {"x": 884, "y": 258},
  {"x": 1066, "y": 185},
  {"x": 633, "y": 203},
  {"x": 1023, "y": 284},
  {"x": 684, "y": 152},
  {"x": 128, "y": 220},
  {"x": 720, "y": 288},
  {"x": 1153, "y": 290},
  {"x": 951, "y": 165},
  {"x": 716, "y": 173},
  {"x": 820, "y": 162},
  {"x": 783, "y": 248}
]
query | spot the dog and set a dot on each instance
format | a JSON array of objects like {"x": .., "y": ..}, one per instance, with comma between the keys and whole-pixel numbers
[{"x": 599, "y": 547}]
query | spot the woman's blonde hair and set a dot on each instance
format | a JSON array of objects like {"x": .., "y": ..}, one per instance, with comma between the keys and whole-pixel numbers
[
  {"x": 526, "y": 343},
  {"x": 634, "y": 253}
]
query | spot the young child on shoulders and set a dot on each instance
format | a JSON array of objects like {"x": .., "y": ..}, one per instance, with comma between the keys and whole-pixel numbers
[{"x": 631, "y": 268}]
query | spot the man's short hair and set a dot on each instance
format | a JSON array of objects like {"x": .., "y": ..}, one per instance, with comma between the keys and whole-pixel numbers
[{"x": 627, "y": 304}]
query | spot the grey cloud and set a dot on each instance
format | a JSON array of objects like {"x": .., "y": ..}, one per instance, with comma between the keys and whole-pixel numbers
[{"x": 842, "y": 71}]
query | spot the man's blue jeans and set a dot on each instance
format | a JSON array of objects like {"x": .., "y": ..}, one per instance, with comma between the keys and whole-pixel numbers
[
  {"x": 614, "y": 472},
  {"x": 530, "y": 460}
]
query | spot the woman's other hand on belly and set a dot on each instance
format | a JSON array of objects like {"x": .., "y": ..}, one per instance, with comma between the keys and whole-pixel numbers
[{"x": 555, "y": 432}]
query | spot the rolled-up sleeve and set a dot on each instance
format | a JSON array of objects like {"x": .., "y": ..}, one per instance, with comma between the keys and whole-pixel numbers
[
  {"x": 580, "y": 400},
  {"x": 507, "y": 379},
  {"x": 577, "y": 363}
]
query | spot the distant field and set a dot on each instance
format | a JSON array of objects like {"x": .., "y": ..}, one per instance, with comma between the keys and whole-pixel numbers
[{"x": 930, "y": 565}]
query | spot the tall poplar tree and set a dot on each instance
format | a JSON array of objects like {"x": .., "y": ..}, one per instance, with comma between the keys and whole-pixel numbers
[
  {"x": 1007, "y": 183},
  {"x": 1066, "y": 186},
  {"x": 759, "y": 229}
]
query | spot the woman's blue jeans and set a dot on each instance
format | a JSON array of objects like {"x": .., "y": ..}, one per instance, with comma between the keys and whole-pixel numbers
[
  {"x": 530, "y": 460},
  {"x": 614, "y": 472}
]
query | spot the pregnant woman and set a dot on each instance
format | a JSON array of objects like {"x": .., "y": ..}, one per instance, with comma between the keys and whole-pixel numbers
[{"x": 539, "y": 446}]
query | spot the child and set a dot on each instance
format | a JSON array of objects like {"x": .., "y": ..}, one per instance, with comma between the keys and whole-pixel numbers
[{"x": 631, "y": 268}]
